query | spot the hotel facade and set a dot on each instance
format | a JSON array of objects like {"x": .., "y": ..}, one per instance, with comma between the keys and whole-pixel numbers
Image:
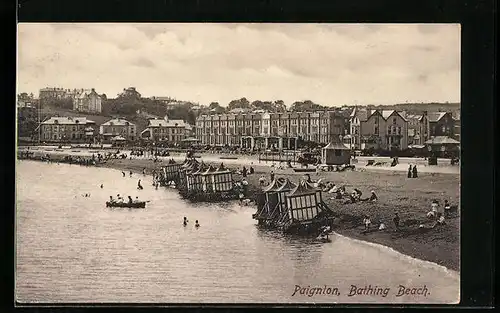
[{"x": 269, "y": 130}]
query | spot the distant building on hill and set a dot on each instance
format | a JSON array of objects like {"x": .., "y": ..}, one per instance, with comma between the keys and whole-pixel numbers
[
  {"x": 87, "y": 101},
  {"x": 166, "y": 129},
  {"x": 130, "y": 92}
]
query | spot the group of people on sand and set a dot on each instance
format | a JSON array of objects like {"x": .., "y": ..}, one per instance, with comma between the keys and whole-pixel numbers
[
  {"x": 412, "y": 171},
  {"x": 340, "y": 193},
  {"x": 438, "y": 212},
  {"x": 381, "y": 225},
  {"x": 185, "y": 222}
]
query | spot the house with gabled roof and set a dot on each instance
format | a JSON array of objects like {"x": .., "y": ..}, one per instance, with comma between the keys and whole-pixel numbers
[
  {"x": 441, "y": 124},
  {"x": 167, "y": 129},
  {"x": 118, "y": 127},
  {"x": 384, "y": 129}
]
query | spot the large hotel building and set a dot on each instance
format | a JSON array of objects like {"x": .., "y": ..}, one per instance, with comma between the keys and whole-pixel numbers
[{"x": 266, "y": 130}]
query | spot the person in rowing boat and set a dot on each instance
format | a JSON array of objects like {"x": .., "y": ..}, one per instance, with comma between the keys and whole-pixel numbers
[
  {"x": 136, "y": 200},
  {"x": 111, "y": 200},
  {"x": 119, "y": 198},
  {"x": 130, "y": 201}
]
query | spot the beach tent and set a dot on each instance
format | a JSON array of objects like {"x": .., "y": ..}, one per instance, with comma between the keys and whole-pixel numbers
[{"x": 335, "y": 154}]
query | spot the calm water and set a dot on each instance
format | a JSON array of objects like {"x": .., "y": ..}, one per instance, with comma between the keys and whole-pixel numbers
[{"x": 74, "y": 249}]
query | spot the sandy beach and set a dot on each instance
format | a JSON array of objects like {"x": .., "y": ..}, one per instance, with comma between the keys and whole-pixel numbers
[{"x": 409, "y": 197}]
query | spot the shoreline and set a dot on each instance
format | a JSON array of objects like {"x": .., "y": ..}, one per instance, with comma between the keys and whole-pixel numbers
[{"x": 440, "y": 245}]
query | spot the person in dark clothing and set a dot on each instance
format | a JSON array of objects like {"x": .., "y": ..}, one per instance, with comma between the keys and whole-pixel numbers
[
  {"x": 251, "y": 170},
  {"x": 244, "y": 172},
  {"x": 130, "y": 173},
  {"x": 196, "y": 224},
  {"x": 272, "y": 175},
  {"x": 309, "y": 180},
  {"x": 130, "y": 200},
  {"x": 185, "y": 222},
  {"x": 396, "y": 220},
  {"x": 415, "y": 174},
  {"x": 409, "y": 171}
]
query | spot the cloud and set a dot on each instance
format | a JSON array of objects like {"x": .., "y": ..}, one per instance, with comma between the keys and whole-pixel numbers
[{"x": 331, "y": 64}]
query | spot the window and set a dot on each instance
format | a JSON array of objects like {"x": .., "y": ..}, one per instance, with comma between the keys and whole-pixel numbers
[
  {"x": 389, "y": 130},
  {"x": 338, "y": 152},
  {"x": 399, "y": 130},
  {"x": 443, "y": 129},
  {"x": 394, "y": 121},
  {"x": 376, "y": 130}
]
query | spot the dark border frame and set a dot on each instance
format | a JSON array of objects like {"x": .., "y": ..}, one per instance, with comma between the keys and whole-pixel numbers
[{"x": 478, "y": 20}]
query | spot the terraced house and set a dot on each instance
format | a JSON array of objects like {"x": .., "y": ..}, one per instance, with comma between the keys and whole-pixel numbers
[
  {"x": 269, "y": 130},
  {"x": 118, "y": 127},
  {"x": 66, "y": 129},
  {"x": 166, "y": 129}
]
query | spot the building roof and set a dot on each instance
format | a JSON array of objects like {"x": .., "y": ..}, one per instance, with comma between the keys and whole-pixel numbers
[
  {"x": 361, "y": 114},
  {"x": 414, "y": 117},
  {"x": 435, "y": 116},
  {"x": 442, "y": 140},
  {"x": 67, "y": 120},
  {"x": 166, "y": 122},
  {"x": 118, "y": 122},
  {"x": 303, "y": 188},
  {"x": 335, "y": 146}
]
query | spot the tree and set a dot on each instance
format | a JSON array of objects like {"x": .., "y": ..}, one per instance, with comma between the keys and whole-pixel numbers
[
  {"x": 242, "y": 103},
  {"x": 216, "y": 107}
]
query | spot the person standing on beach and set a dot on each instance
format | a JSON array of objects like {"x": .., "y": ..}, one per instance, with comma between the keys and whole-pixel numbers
[
  {"x": 409, "y": 171},
  {"x": 123, "y": 173},
  {"x": 130, "y": 173},
  {"x": 144, "y": 171},
  {"x": 396, "y": 221},
  {"x": 415, "y": 174},
  {"x": 244, "y": 172}
]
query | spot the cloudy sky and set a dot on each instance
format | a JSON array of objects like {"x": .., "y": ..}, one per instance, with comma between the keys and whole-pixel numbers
[{"x": 330, "y": 64}]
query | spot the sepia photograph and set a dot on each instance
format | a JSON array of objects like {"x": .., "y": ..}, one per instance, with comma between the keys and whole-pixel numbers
[{"x": 185, "y": 163}]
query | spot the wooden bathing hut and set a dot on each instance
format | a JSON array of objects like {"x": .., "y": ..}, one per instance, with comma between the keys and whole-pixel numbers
[
  {"x": 336, "y": 154},
  {"x": 264, "y": 213},
  {"x": 305, "y": 211},
  {"x": 194, "y": 180},
  {"x": 170, "y": 172},
  {"x": 187, "y": 166},
  {"x": 223, "y": 180}
]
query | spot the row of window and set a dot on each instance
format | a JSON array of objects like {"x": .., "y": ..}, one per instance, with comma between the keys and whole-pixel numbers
[
  {"x": 200, "y": 124},
  {"x": 304, "y": 214},
  {"x": 169, "y": 130}
]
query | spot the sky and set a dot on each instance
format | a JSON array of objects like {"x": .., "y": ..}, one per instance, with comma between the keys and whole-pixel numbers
[{"x": 330, "y": 64}]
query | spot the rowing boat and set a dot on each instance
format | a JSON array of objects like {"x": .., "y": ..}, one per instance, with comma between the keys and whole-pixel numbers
[{"x": 133, "y": 205}]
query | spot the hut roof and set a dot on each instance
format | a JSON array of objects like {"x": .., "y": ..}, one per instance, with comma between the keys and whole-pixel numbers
[
  {"x": 274, "y": 185},
  {"x": 335, "y": 146},
  {"x": 287, "y": 185},
  {"x": 210, "y": 170},
  {"x": 221, "y": 168},
  {"x": 303, "y": 188},
  {"x": 201, "y": 169}
]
